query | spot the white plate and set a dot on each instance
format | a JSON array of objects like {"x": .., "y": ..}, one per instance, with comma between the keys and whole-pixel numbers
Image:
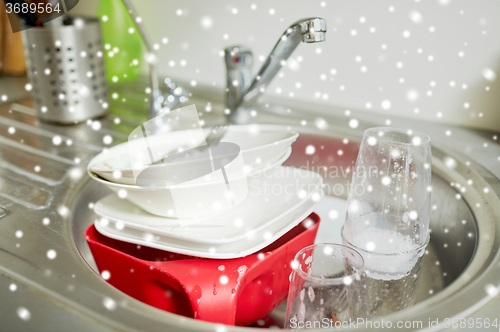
[
  {"x": 261, "y": 145},
  {"x": 192, "y": 200},
  {"x": 218, "y": 237},
  {"x": 271, "y": 195}
]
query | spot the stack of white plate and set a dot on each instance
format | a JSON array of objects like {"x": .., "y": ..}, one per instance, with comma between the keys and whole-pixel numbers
[{"x": 259, "y": 204}]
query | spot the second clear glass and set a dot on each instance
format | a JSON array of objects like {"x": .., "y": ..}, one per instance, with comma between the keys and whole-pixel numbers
[{"x": 328, "y": 287}]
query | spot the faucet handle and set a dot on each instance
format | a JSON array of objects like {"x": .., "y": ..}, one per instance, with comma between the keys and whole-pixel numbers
[
  {"x": 239, "y": 61},
  {"x": 238, "y": 56}
]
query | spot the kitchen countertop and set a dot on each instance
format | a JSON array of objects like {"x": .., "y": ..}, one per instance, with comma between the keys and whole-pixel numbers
[{"x": 38, "y": 180}]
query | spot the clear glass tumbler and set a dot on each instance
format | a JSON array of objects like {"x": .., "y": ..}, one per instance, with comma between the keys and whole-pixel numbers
[
  {"x": 388, "y": 212},
  {"x": 389, "y": 200},
  {"x": 328, "y": 288}
]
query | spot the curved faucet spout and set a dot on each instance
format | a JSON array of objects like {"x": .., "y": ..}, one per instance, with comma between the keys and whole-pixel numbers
[{"x": 241, "y": 93}]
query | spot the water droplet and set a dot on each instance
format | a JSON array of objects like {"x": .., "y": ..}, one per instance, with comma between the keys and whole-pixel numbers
[
  {"x": 310, "y": 293},
  {"x": 310, "y": 149},
  {"x": 51, "y": 254},
  {"x": 23, "y": 313},
  {"x": 105, "y": 275},
  {"x": 386, "y": 180},
  {"x": 109, "y": 303},
  {"x": 489, "y": 74}
]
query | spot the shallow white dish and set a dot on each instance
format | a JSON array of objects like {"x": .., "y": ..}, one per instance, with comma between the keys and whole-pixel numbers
[
  {"x": 189, "y": 200},
  {"x": 265, "y": 219},
  {"x": 261, "y": 145}
]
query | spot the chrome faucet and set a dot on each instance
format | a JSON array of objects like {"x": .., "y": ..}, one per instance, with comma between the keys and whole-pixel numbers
[{"x": 241, "y": 92}]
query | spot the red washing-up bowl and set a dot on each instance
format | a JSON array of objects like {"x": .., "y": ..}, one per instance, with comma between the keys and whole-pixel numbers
[{"x": 229, "y": 291}]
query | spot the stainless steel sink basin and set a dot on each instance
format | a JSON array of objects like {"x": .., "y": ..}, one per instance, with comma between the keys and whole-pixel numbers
[
  {"x": 441, "y": 266},
  {"x": 461, "y": 269}
]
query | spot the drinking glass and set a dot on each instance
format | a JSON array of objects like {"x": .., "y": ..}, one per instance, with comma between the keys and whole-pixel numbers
[
  {"x": 327, "y": 288},
  {"x": 388, "y": 212}
]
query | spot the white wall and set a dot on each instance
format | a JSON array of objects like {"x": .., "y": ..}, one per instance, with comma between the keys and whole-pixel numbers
[{"x": 449, "y": 41}]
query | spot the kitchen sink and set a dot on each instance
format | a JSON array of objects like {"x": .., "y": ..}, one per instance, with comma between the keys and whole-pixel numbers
[
  {"x": 455, "y": 228},
  {"x": 459, "y": 279}
]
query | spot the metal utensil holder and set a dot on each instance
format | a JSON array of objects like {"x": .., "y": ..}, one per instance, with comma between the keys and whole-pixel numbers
[{"x": 66, "y": 69}]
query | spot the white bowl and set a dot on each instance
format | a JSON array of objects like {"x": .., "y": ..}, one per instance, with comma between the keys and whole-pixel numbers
[
  {"x": 193, "y": 199},
  {"x": 261, "y": 146}
]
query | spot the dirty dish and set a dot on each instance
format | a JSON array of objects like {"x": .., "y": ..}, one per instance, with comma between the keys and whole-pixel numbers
[
  {"x": 257, "y": 222},
  {"x": 191, "y": 200},
  {"x": 261, "y": 145},
  {"x": 233, "y": 291}
]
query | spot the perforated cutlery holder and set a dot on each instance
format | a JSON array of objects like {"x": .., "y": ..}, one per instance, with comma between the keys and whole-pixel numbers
[{"x": 65, "y": 64}]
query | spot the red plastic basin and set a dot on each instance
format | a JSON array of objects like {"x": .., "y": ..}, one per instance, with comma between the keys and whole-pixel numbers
[{"x": 229, "y": 291}]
